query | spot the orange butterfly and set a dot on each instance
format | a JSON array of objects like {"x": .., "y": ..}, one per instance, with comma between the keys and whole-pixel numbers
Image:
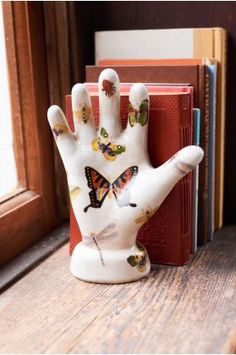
[{"x": 101, "y": 187}]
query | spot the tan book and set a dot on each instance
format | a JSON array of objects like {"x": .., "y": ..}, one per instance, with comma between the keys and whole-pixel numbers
[{"x": 176, "y": 43}]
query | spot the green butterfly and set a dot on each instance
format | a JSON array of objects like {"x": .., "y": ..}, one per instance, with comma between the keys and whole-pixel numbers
[
  {"x": 109, "y": 149},
  {"x": 138, "y": 116}
]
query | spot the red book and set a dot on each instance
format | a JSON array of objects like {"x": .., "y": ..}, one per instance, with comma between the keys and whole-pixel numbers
[
  {"x": 197, "y": 76},
  {"x": 167, "y": 235}
]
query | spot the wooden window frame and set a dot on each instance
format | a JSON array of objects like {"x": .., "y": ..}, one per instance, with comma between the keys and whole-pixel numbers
[{"x": 31, "y": 211}]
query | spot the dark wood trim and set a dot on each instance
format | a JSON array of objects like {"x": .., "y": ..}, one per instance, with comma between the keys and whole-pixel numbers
[
  {"x": 30, "y": 215},
  {"x": 59, "y": 81}
]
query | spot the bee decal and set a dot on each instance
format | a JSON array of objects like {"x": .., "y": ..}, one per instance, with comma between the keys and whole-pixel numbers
[
  {"x": 83, "y": 114},
  {"x": 59, "y": 129},
  {"x": 139, "y": 259},
  {"x": 108, "y": 88},
  {"x": 139, "y": 115},
  {"x": 146, "y": 215},
  {"x": 109, "y": 149}
]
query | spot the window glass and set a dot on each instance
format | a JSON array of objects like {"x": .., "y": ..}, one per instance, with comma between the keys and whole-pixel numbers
[{"x": 8, "y": 174}]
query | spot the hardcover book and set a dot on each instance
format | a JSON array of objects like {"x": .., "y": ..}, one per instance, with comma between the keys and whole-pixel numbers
[
  {"x": 196, "y": 140},
  {"x": 197, "y": 76},
  {"x": 176, "y": 43},
  {"x": 212, "y": 71},
  {"x": 170, "y": 121}
]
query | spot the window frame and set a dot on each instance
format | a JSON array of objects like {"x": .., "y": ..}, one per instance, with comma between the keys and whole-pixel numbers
[{"x": 31, "y": 211}]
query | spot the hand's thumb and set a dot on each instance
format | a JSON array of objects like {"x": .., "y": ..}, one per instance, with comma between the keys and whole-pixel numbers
[{"x": 167, "y": 175}]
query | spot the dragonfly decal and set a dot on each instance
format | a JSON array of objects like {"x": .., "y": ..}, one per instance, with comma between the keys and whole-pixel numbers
[{"x": 106, "y": 234}]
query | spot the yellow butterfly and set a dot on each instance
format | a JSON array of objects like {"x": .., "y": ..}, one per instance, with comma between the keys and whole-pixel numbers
[{"x": 74, "y": 192}]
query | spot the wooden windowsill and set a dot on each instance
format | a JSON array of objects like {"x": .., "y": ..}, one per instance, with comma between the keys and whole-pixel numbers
[
  {"x": 190, "y": 309},
  {"x": 32, "y": 256}
]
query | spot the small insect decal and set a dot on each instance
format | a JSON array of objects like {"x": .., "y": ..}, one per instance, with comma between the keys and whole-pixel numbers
[
  {"x": 83, "y": 114},
  {"x": 74, "y": 192},
  {"x": 139, "y": 259},
  {"x": 101, "y": 187},
  {"x": 108, "y": 88},
  {"x": 106, "y": 234},
  {"x": 138, "y": 115},
  {"x": 146, "y": 215},
  {"x": 59, "y": 129},
  {"x": 181, "y": 167},
  {"x": 109, "y": 149}
]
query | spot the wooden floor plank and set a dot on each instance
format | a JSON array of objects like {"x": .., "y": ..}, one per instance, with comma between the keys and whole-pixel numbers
[{"x": 174, "y": 310}]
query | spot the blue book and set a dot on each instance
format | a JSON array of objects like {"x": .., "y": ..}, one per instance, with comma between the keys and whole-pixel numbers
[
  {"x": 212, "y": 72},
  {"x": 196, "y": 141}
]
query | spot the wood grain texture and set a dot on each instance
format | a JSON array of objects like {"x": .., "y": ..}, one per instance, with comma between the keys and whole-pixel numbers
[
  {"x": 32, "y": 256},
  {"x": 24, "y": 214},
  {"x": 188, "y": 309},
  {"x": 69, "y": 39}
]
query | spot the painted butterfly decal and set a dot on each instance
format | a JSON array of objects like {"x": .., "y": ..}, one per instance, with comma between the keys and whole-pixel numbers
[
  {"x": 101, "y": 187},
  {"x": 108, "y": 87},
  {"x": 109, "y": 149},
  {"x": 59, "y": 129},
  {"x": 139, "y": 259},
  {"x": 138, "y": 116},
  {"x": 74, "y": 192},
  {"x": 106, "y": 234}
]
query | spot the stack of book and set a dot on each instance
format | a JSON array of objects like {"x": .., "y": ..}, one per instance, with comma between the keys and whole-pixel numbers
[{"x": 184, "y": 71}]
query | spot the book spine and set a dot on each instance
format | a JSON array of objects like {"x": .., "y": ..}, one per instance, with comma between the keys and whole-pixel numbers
[
  {"x": 186, "y": 128},
  {"x": 170, "y": 120},
  {"x": 203, "y": 178},
  {"x": 212, "y": 69},
  {"x": 195, "y": 181},
  {"x": 220, "y": 53}
]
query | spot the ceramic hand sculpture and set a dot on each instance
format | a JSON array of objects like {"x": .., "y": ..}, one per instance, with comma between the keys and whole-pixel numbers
[{"x": 111, "y": 180}]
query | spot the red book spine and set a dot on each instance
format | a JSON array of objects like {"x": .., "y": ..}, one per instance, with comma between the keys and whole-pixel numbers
[{"x": 167, "y": 235}]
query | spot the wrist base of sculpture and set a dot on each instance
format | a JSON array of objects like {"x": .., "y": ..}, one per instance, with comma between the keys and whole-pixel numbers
[{"x": 109, "y": 266}]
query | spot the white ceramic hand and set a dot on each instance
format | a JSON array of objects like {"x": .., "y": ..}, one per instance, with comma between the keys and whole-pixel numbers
[{"x": 111, "y": 179}]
